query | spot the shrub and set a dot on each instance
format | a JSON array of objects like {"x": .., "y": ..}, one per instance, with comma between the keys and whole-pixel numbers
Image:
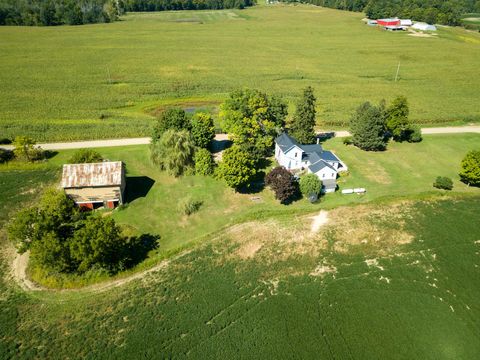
[
  {"x": 443, "y": 182},
  {"x": 282, "y": 182},
  {"x": 367, "y": 126},
  {"x": 414, "y": 134},
  {"x": 204, "y": 164},
  {"x": 82, "y": 156},
  {"x": 203, "y": 129},
  {"x": 348, "y": 140},
  {"x": 310, "y": 186},
  {"x": 5, "y": 155},
  {"x": 189, "y": 206},
  {"x": 170, "y": 119},
  {"x": 470, "y": 172},
  {"x": 25, "y": 149}
]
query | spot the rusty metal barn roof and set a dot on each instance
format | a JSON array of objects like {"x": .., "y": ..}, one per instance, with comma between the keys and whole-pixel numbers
[{"x": 91, "y": 175}]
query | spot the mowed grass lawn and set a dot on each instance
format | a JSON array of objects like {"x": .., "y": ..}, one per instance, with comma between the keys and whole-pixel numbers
[{"x": 103, "y": 80}]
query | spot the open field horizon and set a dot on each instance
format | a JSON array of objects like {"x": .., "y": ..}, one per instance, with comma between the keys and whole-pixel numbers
[{"x": 107, "y": 80}]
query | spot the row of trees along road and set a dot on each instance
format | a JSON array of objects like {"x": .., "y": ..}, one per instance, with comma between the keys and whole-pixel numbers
[{"x": 372, "y": 126}]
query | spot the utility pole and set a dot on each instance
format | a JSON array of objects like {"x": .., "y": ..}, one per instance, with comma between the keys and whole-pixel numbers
[{"x": 398, "y": 70}]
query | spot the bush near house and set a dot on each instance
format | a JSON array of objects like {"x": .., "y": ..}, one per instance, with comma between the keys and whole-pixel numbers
[
  {"x": 310, "y": 187},
  {"x": 237, "y": 167},
  {"x": 443, "y": 182},
  {"x": 283, "y": 184},
  {"x": 203, "y": 129}
]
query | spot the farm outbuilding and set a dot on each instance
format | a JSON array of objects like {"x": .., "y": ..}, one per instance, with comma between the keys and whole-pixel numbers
[
  {"x": 95, "y": 185},
  {"x": 424, "y": 26},
  {"x": 388, "y": 22}
]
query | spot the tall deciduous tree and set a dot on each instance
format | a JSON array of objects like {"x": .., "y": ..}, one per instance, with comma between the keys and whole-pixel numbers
[
  {"x": 237, "y": 167},
  {"x": 470, "y": 168},
  {"x": 203, "y": 129},
  {"x": 173, "y": 152},
  {"x": 367, "y": 126},
  {"x": 397, "y": 122},
  {"x": 283, "y": 184},
  {"x": 253, "y": 119},
  {"x": 170, "y": 119},
  {"x": 303, "y": 124}
]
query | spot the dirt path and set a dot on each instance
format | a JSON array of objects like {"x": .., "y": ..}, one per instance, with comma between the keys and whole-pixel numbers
[
  {"x": 318, "y": 221},
  {"x": 221, "y": 137}
]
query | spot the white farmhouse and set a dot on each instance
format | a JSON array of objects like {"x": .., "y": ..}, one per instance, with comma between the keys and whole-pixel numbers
[{"x": 294, "y": 156}]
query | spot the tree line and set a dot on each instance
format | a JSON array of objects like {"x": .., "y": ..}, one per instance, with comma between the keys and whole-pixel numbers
[
  {"x": 431, "y": 11},
  {"x": 78, "y": 12}
]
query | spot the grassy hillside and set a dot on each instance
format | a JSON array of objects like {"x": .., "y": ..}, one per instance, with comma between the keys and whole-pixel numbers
[
  {"x": 104, "y": 80},
  {"x": 266, "y": 291}
]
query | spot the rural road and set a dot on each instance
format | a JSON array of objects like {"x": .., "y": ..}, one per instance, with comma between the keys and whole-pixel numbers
[{"x": 220, "y": 137}]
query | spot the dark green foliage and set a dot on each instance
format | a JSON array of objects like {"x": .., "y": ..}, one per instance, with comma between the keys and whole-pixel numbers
[
  {"x": 470, "y": 171},
  {"x": 253, "y": 119},
  {"x": 431, "y": 11},
  {"x": 58, "y": 12},
  {"x": 442, "y": 182},
  {"x": 283, "y": 184},
  {"x": 5, "y": 155},
  {"x": 62, "y": 239},
  {"x": 303, "y": 124},
  {"x": 397, "y": 123},
  {"x": 310, "y": 186},
  {"x": 85, "y": 156},
  {"x": 5, "y": 141},
  {"x": 204, "y": 164},
  {"x": 97, "y": 243},
  {"x": 173, "y": 152},
  {"x": 237, "y": 167},
  {"x": 170, "y": 119},
  {"x": 203, "y": 129},
  {"x": 367, "y": 126},
  {"x": 165, "y": 5},
  {"x": 189, "y": 206}
]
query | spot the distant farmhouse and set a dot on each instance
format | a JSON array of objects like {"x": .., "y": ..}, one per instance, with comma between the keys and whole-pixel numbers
[
  {"x": 294, "y": 156},
  {"x": 95, "y": 185}
]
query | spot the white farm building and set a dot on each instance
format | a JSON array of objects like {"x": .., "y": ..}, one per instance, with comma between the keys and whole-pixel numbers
[
  {"x": 424, "y": 26},
  {"x": 312, "y": 158}
]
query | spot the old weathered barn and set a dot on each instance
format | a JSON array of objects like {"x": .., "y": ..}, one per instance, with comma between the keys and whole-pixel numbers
[{"x": 95, "y": 185}]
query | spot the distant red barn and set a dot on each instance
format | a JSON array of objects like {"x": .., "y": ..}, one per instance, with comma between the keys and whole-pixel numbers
[{"x": 388, "y": 22}]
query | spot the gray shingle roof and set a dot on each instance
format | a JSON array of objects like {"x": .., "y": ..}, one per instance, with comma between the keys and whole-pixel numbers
[
  {"x": 329, "y": 156},
  {"x": 319, "y": 166},
  {"x": 286, "y": 142}
]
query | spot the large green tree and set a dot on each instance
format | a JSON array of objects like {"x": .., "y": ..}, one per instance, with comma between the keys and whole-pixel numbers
[
  {"x": 171, "y": 119},
  {"x": 203, "y": 129},
  {"x": 470, "y": 168},
  {"x": 173, "y": 152},
  {"x": 237, "y": 167},
  {"x": 367, "y": 126},
  {"x": 204, "y": 164},
  {"x": 303, "y": 123},
  {"x": 253, "y": 119}
]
